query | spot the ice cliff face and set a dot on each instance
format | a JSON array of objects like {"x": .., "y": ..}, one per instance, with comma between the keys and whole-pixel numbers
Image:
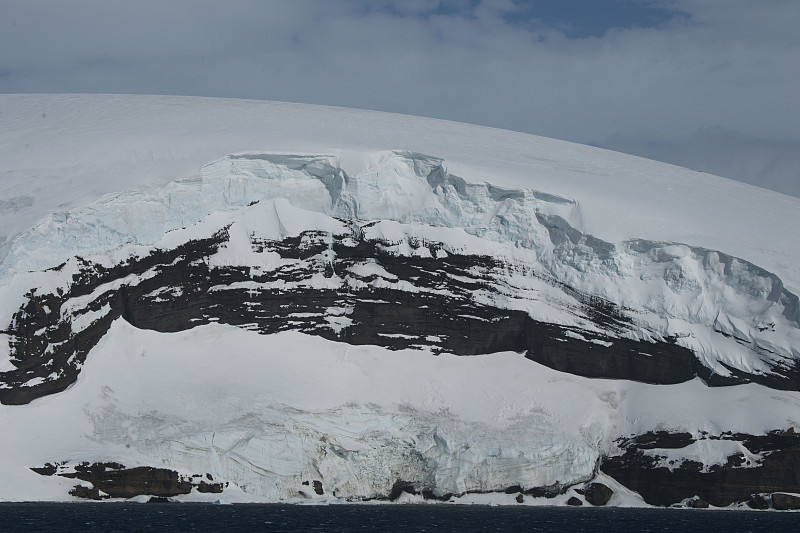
[
  {"x": 736, "y": 317},
  {"x": 397, "y": 254}
]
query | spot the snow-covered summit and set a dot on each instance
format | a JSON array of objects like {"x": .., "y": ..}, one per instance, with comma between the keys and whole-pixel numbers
[{"x": 66, "y": 151}]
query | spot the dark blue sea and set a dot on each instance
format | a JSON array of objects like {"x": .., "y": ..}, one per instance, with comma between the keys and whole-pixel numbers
[{"x": 108, "y": 517}]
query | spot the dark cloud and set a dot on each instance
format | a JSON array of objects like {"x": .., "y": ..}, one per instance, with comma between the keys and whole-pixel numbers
[{"x": 660, "y": 74}]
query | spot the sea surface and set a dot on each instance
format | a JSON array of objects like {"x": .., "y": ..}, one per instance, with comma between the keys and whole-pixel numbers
[{"x": 108, "y": 517}]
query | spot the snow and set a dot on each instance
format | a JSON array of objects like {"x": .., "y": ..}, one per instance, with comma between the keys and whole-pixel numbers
[
  {"x": 704, "y": 259},
  {"x": 707, "y": 452},
  {"x": 370, "y": 268},
  {"x": 65, "y": 151},
  {"x": 5, "y": 352},
  {"x": 417, "y": 200},
  {"x": 269, "y": 413},
  {"x": 675, "y": 290},
  {"x": 414, "y": 207}
]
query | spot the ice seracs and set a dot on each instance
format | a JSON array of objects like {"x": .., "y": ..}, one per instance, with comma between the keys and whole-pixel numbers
[{"x": 673, "y": 290}]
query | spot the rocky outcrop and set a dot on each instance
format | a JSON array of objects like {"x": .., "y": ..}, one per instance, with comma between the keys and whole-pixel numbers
[
  {"x": 597, "y": 494},
  {"x": 697, "y": 503},
  {"x": 758, "y": 501},
  {"x": 785, "y": 502},
  {"x": 48, "y": 351},
  {"x": 737, "y": 479},
  {"x": 351, "y": 288},
  {"x": 113, "y": 480},
  {"x": 435, "y": 306}
]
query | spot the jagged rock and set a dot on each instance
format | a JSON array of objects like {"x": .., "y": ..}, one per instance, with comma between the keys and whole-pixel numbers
[
  {"x": 49, "y": 355},
  {"x": 657, "y": 439},
  {"x": 399, "y": 487},
  {"x": 48, "y": 469},
  {"x": 785, "y": 502},
  {"x": 697, "y": 503},
  {"x": 126, "y": 483},
  {"x": 89, "y": 493},
  {"x": 720, "y": 485},
  {"x": 758, "y": 501},
  {"x": 574, "y": 502},
  {"x": 116, "y": 481},
  {"x": 597, "y": 494},
  {"x": 318, "y": 487},
  {"x": 213, "y": 488}
]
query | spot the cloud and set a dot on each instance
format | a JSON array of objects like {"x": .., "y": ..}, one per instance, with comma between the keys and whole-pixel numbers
[{"x": 510, "y": 64}]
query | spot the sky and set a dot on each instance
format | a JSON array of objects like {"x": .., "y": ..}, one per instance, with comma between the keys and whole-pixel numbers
[{"x": 708, "y": 84}]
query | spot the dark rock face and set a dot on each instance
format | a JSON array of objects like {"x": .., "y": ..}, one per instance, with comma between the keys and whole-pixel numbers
[
  {"x": 421, "y": 488},
  {"x": 597, "y": 494},
  {"x": 435, "y": 307},
  {"x": 657, "y": 439},
  {"x": 116, "y": 481},
  {"x": 174, "y": 290},
  {"x": 213, "y": 488},
  {"x": 87, "y": 493},
  {"x": 160, "y": 499},
  {"x": 785, "y": 502},
  {"x": 758, "y": 501},
  {"x": 399, "y": 487},
  {"x": 126, "y": 483},
  {"x": 735, "y": 481},
  {"x": 697, "y": 503},
  {"x": 574, "y": 502},
  {"x": 44, "y": 346}
]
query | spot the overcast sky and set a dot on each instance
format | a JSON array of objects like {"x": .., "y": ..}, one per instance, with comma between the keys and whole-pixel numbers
[{"x": 709, "y": 84}]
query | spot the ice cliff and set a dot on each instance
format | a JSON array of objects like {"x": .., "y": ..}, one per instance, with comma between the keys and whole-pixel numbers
[{"x": 736, "y": 317}]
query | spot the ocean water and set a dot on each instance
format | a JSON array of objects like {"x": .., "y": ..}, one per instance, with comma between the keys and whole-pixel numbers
[{"x": 108, "y": 517}]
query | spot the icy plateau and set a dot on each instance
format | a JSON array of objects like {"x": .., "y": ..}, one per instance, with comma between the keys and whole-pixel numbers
[{"x": 364, "y": 323}]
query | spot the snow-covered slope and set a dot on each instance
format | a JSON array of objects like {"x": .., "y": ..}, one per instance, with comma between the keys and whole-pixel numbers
[
  {"x": 278, "y": 299},
  {"x": 64, "y": 151}
]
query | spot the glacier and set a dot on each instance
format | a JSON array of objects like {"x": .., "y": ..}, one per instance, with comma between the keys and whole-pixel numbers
[
  {"x": 452, "y": 431},
  {"x": 675, "y": 289},
  {"x": 353, "y": 324}
]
